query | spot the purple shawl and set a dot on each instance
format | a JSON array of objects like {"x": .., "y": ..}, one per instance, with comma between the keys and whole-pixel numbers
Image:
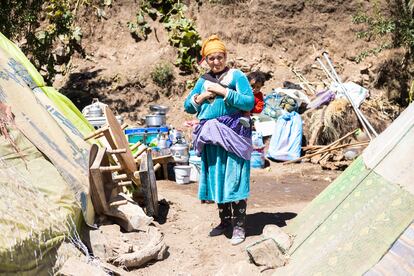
[{"x": 224, "y": 131}]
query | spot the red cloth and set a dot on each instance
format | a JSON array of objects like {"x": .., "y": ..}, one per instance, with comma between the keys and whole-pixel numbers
[{"x": 258, "y": 103}]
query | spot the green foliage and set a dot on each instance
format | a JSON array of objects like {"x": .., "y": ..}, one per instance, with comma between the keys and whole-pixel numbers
[
  {"x": 397, "y": 26},
  {"x": 163, "y": 74},
  {"x": 140, "y": 28},
  {"x": 374, "y": 51},
  {"x": 184, "y": 36},
  {"x": 182, "y": 33},
  {"x": 40, "y": 27}
]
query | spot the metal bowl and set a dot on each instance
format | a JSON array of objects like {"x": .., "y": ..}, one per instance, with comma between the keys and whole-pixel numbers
[
  {"x": 155, "y": 120},
  {"x": 159, "y": 109}
]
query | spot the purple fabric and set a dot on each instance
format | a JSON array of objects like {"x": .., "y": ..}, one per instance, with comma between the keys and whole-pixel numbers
[
  {"x": 233, "y": 122},
  {"x": 321, "y": 98},
  {"x": 224, "y": 131}
]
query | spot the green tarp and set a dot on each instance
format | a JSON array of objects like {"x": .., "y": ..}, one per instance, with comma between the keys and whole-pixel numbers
[
  {"x": 349, "y": 227},
  {"x": 45, "y": 193}
]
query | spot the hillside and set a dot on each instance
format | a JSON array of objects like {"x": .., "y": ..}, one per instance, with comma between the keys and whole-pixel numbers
[{"x": 264, "y": 35}]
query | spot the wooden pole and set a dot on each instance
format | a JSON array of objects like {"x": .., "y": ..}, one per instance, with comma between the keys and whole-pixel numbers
[{"x": 325, "y": 150}]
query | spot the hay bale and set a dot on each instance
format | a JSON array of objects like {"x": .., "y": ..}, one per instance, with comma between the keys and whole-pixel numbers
[{"x": 338, "y": 118}]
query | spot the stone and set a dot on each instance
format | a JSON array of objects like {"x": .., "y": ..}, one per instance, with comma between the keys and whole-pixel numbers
[
  {"x": 76, "y": 267},
  {"x": 104, "y": 239},
  {"x": 267, "y": 253},
  {"x": 283, "y": 240}
]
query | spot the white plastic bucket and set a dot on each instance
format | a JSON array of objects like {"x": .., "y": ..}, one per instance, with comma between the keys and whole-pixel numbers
[
  {"x": 182, "y": 174},
  {"x": 195, "y": 172},
  {"x": 182, "y": 180}
]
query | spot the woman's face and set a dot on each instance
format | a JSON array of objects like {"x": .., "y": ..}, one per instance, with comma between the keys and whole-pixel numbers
[{"x": 216, "y": 62}]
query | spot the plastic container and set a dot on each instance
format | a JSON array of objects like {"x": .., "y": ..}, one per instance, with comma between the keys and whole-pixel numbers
[
  {"x": 257, "y": 140},
  {"x": 195, "y": 163},
  {"x": 144, "y": 134},
  {"x": 182, "y": 180},
  {"x": 257, "y": 161},
  {"x": 182, "y": 174}
]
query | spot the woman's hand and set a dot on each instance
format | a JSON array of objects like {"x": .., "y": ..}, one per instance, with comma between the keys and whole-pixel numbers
[
  {"x": 199, "y": 99},
  {"x": 217, "y": 90}
]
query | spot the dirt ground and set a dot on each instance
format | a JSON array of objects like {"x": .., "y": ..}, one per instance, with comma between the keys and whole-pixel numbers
[{"x": 278, "y": 193}]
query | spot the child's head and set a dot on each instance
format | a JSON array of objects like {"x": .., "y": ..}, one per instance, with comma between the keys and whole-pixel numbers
[{"x": 256, "y": 80}]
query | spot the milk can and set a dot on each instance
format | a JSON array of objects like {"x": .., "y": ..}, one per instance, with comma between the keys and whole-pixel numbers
[{"x": 180, "y": 152}]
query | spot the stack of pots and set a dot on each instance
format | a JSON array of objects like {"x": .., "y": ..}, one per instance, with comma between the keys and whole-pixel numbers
[{"x": 158, "y": 116}]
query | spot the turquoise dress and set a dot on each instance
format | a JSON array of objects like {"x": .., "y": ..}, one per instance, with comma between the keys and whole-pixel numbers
[{"x": 224, "y": 176}]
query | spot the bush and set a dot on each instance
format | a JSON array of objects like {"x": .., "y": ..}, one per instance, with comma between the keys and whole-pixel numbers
[
  {"x": 398, "y": 23},
  {"x": 163, "y": 74},
  {"x": 182, "y": 33},
  {"x": 46, "y": 31}
]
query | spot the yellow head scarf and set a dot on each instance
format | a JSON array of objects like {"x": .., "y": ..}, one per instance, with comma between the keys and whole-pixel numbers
[{"x": 213, "y": 44}]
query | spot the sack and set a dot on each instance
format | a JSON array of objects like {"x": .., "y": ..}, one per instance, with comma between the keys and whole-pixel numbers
[
  {"x": 272, "y": 106},
  {"x": 321, "y": 98},
  {"x": 357, "y": 93},
  {"x": 286, "y": 141}
]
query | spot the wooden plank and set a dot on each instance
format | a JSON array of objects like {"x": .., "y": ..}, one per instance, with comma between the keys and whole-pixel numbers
[
  {"x": 139, "y": 152},
  {"x": 96, "y": 180},
  {"x": 120, "y": 177},
  {"x": 110, "y": 168},
  {"x": 136, "y": 145},
  {"x": 125, "y": 183},
  {"x": 126, "y": 159},
  {"x": 149, "y": 184},
  {"x": 115, "y": 151},
  {"x": 96, "y": 133}
]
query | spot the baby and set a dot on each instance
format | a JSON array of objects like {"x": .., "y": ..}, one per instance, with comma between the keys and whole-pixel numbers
[{"x": 256, "y": 80}]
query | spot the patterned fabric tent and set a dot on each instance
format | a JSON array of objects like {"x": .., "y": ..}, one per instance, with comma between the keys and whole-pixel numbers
[
  {"x": 44, "y": 183},
  {"x": 362, "y": 222}
]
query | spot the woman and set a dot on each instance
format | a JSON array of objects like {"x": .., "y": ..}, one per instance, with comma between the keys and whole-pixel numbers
[{"x": 219, "y": 98}]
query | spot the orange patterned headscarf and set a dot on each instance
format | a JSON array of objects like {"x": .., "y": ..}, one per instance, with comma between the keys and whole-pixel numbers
[{"x": 213, "y": 44}]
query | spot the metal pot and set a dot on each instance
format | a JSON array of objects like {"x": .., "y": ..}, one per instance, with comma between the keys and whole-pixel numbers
[
  {"x": 95, "y": 111},
  {"x": 159, "y": 109},
  {"x": 180, "y": 153},
  {"x": 155, "y": 120}
]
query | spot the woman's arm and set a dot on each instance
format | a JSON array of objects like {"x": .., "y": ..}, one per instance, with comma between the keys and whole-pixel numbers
[
  {"x": 190, "y": 105},
  {"x": 242, "y": 98}
]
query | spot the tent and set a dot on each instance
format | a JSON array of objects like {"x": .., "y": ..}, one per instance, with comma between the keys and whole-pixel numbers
[
  {"x": 362, "y": 223},
  {"x": 43, "y": 168}
]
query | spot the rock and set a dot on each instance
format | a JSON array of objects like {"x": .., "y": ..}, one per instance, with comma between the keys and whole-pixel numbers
[
  {"x": 104, "y": 240},
  {"x": 283, "y": 240},
  {"x": 266, "y": 253},
  {"x": 76, "y": 267},
  {"x": 65, "y": 251}
]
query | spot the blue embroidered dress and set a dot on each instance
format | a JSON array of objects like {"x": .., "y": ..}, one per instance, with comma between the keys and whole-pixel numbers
[{"x": 224, "y": 177}]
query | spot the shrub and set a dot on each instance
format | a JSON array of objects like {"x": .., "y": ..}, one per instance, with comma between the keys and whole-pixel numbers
[
  {"x": 398, "y": 24},
  {"x": 163, "y": 74}
]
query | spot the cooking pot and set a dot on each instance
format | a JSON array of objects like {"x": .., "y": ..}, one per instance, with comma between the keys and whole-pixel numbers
[
  {"x": 180, "y": 153},
  {"x": 159, "y": 109},
  {"x": 155, "y": 120},
  {"x": 95, "y": 111}
]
